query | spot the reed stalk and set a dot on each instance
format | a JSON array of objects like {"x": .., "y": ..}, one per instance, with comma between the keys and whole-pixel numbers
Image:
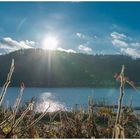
[
  {"x": 118, "y": 131},
  {"x": 8, "y": 80}
]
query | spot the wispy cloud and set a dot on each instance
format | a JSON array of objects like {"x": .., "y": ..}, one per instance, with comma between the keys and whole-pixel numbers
[
  {"x": 80, "y": 35},
  {"x": 126, "y": 44},
  {"x": 119, "y": 43},
  {"x": 85, "y": 37},
  {"x": 84, "y": 49},
  {"x": 135, "y": 44},
  {"x": 21, "y": 24},
  {"x": 116, "y": 35},
  {"x": 66, "y": 50},
  {"x": 134, "y": 53},
  {"x": 86, "y": 42},
  {"x": 21, "y": 44},
  {"x": 8, "y": 44},
  {"x": 119, "y": 39}
]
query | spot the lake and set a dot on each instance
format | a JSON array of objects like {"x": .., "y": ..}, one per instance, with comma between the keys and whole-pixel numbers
[{"x": 66, "y": 98}]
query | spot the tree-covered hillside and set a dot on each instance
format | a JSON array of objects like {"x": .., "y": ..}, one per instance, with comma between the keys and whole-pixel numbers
[{"x": 60, "y": 69}]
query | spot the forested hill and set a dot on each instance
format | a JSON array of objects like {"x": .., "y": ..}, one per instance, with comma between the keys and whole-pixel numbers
[{"x": 40, "y": 68}]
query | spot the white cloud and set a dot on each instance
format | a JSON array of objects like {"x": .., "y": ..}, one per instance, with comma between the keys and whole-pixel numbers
[
  {"x": 119, "y": 43},
  {"x": 126, "y": 44},
  {"x": 135, "y": 44},
  {"x": 21, "y": 45},
  {"x": 7, "y": 44},
  {"x": 29, "y": 43},
  {"x": 89, "y": 40},
  {"x": 80, "y": 35},
  {"x": 66, "y": 50},
  {"x": 85, "y": 37},
  {"x": 116, "y": 35},
  {"x": 119, "y": 39},
  {"x": 84, "y": 48},
  {"x": 131, "y": 52}
]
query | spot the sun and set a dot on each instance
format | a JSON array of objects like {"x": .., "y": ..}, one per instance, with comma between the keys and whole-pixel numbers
[{"x": 50, "y": 43}]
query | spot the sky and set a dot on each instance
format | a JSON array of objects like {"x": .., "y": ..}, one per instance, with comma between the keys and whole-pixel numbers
[{"x": 78, "y": 27}]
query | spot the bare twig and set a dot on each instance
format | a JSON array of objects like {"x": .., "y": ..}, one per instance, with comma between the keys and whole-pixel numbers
[
  {"x": 4, "y": 89},
  {"x": 118, "y": 131}
]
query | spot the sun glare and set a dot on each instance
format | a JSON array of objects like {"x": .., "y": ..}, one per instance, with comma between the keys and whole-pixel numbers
[{"x": 50, "y": 43}]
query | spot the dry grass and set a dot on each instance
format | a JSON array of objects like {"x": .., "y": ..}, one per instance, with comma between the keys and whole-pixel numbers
[{"x": 102, "y": 122}]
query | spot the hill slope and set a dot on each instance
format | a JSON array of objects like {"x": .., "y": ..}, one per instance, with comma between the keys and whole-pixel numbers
[{"x": 59, "y": 69}]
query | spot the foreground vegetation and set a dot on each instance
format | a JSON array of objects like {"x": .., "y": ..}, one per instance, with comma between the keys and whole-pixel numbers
[{"x": 102, "y": 122}]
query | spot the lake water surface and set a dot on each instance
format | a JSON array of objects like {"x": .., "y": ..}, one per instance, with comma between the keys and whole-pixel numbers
[{"x": 66, "y": 98}]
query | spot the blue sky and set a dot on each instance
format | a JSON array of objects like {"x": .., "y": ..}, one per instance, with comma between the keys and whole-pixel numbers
[{"x": 85, "y": 27}]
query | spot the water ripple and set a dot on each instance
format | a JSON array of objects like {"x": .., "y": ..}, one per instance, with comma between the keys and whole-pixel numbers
[{"x": 47, "y": 99}]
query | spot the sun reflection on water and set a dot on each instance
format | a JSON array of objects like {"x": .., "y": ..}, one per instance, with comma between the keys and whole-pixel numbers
[{"x": 47, "y": 99}]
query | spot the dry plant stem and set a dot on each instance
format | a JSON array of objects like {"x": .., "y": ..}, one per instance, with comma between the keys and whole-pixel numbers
[
  {"x": 13, "y": 115},
  {"x": 22, "y": 116},
  {"x": 89, "y": 105},
  {"x": 16, "y": 105},
  {"x": 38, "y": 119},
  {"x": 94, "y": 131},
  {"x": 121, "y": 96},
  {"x": 6, "y": 121},
  {"x": 4, "y": 89},
  {"x": 69, "y": 119},
  {"x": 52, "y": 118},
  {"x": 60, "y": 116},
  {"x": 118, "y": 131}
]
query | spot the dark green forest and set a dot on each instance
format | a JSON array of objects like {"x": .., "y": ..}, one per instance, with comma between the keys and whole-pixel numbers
[{"x": 42, "y": 68}]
